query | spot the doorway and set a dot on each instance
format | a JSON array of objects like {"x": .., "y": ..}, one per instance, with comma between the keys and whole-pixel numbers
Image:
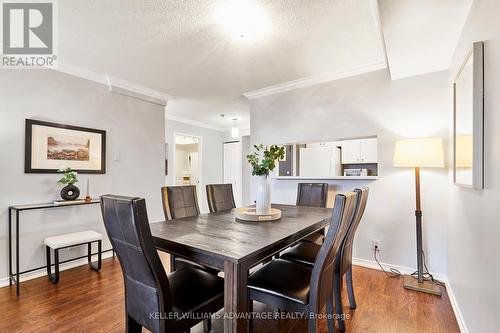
[
  {"x": 187, "y": 161},
  {"x": 232, "y": 169}
]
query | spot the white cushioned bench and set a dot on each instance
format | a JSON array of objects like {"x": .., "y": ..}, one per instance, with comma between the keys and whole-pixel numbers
[{"x": 69, "y": 240}]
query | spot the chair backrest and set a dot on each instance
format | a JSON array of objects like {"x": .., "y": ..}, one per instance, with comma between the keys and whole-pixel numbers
[
  {"x": 220, "y": 197},
  {"x": 179, "y": 202},
  {"x": 312, "y": 194},
  {"x": 147, "y": 289},
  {"x": 345, "y": 254},
  {"x": 322, "y": 274}
]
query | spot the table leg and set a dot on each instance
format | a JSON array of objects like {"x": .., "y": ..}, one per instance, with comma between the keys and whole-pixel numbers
[
  {"x": 17, "y": 253},
  {"x": 235, "y": 297}
]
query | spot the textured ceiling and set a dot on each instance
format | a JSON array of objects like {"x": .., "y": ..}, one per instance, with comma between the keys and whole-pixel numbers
[
  {"x": 176, "y": 47},
  {"x": 421, "y": 36}
]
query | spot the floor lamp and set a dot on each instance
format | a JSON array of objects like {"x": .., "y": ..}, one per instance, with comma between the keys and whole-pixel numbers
[{"x": 419, "y": 153}]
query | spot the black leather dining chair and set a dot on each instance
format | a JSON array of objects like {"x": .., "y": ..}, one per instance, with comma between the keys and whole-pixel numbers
[
  {"x": 289, "y": 286},
  {"x": 181, "y": 202},
  {"x": 153, "y": 300},
  {"x": 220, "y": 197},
  {"x": 313, "y": 195},
  {"x": 306, "y": 253}
]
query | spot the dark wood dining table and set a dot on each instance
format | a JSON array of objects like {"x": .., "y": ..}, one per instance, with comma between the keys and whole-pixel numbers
[{"x": 219, "y": 241}]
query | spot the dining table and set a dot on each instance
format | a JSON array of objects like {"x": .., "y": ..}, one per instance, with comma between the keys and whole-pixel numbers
[{"x": 220, "y": 241}]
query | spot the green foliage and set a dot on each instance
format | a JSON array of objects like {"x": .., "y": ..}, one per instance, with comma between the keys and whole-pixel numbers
[
  {"x": 69, "y": 176},
  {"x": 263, "y": 160}
]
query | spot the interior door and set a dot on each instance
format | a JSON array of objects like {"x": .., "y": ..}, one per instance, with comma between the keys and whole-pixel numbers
[{"x": 232, "y": 169}]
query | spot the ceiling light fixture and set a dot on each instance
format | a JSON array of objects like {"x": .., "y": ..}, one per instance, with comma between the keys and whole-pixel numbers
[
  {"x": 242, "y": 19},
  {"x": 235, "y": 131}
]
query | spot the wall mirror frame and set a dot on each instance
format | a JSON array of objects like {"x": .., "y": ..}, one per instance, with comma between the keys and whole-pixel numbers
[{"x": 468, "y": 120}]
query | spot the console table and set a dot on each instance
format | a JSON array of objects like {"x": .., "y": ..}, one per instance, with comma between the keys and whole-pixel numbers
[{"x": 14, "y": 277}]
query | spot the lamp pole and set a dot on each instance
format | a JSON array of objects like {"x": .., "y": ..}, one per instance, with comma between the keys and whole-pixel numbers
[
  {"x": 409, "y": 282},
  {"x": 418, "y": 217}
]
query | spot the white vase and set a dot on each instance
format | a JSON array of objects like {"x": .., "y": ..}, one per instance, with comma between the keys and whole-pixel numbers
[{"x": 263, "y": 195}]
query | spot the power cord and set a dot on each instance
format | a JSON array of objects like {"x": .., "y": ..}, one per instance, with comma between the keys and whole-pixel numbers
[
  {"x": 427, "y": 276},
  {"x": 393, "y": 272}
]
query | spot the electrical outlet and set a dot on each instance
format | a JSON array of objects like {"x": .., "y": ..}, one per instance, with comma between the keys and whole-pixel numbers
[{"x": 375, "y": 244}]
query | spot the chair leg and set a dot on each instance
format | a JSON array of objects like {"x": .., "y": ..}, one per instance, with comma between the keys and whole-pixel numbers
[
  {"x": 207, "y": 325},
  {"x": 172, "y": 263},
  {"x": 330, "y": 315},
  {"x": 337, "y": 287},
  {"x": 312, "y": 325},
  {"x": 133, "y": 326},
  {"x": 54, "y": 278},
  {"x": 250, "y": 312},
  {"x": 350, "y": 289}
]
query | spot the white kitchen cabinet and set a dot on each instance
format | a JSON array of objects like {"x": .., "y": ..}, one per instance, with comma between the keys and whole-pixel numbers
[
  {"x": 350, "y": 151},
  {"x": 359, "y": 151},
  {"x": 368, "y": 150}
]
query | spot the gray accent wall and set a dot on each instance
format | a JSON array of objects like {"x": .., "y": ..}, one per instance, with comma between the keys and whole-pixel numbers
[
  {"x": 365, "y": 105},
  {"x": 134, "y": 164},
  {"x": 474, "y": 223}
]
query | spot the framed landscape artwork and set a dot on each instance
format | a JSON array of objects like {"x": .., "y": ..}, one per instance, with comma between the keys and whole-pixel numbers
[{"x": 50, "y": 147}]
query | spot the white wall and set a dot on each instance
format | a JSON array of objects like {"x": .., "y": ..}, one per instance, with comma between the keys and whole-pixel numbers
[
  {"x": 135, "y": 129},
  {"x": 371, "y": 104},
  {"x": 474, "y": 222},
  {"x": 211, "y": 154}
]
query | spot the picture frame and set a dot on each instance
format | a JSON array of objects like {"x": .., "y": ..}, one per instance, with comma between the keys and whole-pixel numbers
[
  {"x": 468, "y": 121},
  {"x": 52, "y": 146}
]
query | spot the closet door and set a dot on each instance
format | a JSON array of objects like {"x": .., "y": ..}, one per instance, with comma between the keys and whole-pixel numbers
[{"x": 232, "y": 169}]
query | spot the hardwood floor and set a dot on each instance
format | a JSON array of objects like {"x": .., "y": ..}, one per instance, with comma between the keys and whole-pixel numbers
[{"x": 86, "y": 301}]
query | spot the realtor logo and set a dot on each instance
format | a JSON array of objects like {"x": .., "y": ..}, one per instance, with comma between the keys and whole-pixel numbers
[{"x": 28, "y": 34}]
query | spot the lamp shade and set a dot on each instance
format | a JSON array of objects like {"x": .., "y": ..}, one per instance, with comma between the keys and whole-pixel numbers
[{"x": 421, "y": 152}]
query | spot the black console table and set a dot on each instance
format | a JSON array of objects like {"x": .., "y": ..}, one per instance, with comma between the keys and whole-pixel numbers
[{"x": 14, "y": 278}]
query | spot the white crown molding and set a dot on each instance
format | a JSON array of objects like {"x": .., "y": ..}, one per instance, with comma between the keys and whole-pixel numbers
[
  {"x": 193, "y": 122},
  {"x": 316, "y": 79},
  {"x": 120, "y": 86},
  {"x": 380, "y": 32},
  {"x": 81, "y": 73},
  {"x": 117, "y": 85}
]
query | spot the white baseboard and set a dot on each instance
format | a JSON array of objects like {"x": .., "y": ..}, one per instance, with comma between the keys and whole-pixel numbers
[
  {"x": 4, "y": 282},
  {"x": 456, "y": 308},
  {"x": 403, "y": 269},
  {"x": 408, "y": 270}
]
